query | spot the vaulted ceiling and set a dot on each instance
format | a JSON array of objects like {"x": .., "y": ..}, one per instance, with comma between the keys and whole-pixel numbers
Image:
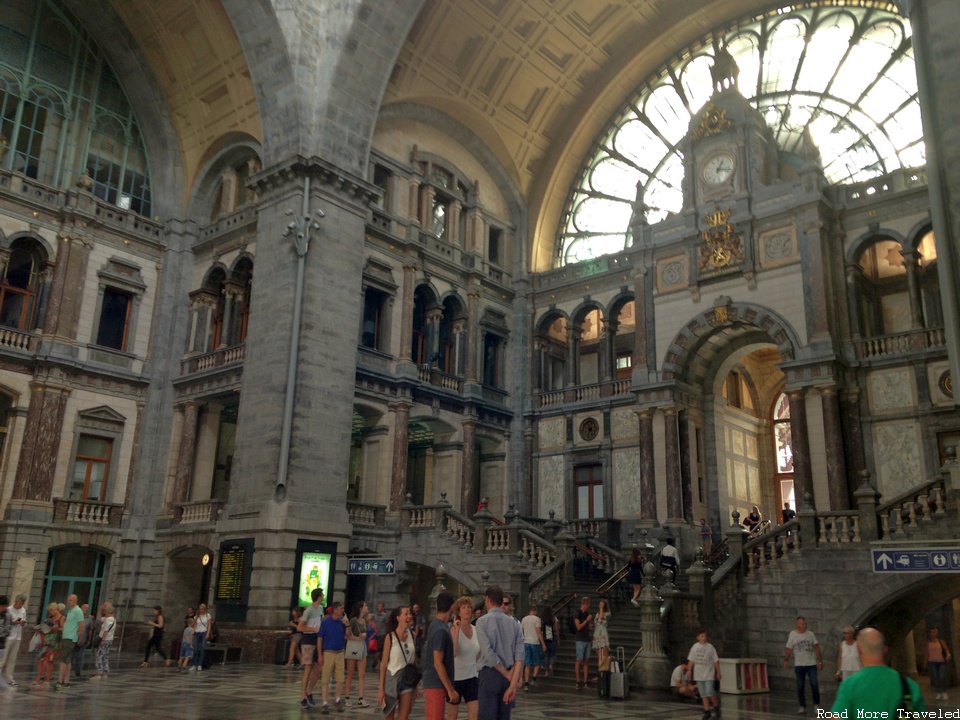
[{"x": 535, "y": 79}]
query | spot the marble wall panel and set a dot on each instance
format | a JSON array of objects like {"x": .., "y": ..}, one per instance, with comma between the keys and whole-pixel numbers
[
  {"x": 624, "y": 424},
  {"x": 626, "y": 483},
  {"x": 552, "y": 433},
  {"x": 551, "y": 496},
  {"x": 897, "y": 456},
  {"x": 892, "y": 389}
]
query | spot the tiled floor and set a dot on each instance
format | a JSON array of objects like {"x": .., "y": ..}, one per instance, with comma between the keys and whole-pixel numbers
[{"x": 268, "y": 692}]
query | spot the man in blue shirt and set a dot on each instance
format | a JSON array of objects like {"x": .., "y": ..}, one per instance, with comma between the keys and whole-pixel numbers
[
  {"x": 438, "y": 670},
  {"x": 331, "y": 642},
  {"x": 501, "y": 658}
]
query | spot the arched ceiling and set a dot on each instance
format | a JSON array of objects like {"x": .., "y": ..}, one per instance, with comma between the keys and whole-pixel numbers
[{"x": 535, "y": 79}]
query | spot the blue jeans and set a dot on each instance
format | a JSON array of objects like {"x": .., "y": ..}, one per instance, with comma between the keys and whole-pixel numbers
[
  {"x": 938, "y": 676},
  {"x": 199, "y": 646},
  {"x": 807, "y": 671},
  {"x": 492, "y": 686}
]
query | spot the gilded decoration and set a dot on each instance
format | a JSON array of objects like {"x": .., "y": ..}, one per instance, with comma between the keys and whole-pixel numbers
[
  {"x": 713, "y": 122},
  {"x": 721, "y": 246}
]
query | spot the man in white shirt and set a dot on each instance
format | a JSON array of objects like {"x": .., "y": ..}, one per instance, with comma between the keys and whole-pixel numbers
[
  {"x": 807, "y": 661},
  {"x": 533, "y": 645},
  {"x": 18, "y": 618}
]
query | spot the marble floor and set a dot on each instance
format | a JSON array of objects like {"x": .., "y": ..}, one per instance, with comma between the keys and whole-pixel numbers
[{"x": 269, "y": 692}]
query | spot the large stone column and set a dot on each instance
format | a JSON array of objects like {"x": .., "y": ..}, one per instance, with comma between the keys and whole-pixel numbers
[
  {"x": 205, "y": 460},
  {"x": 640, "y": 351},
  {"x": 41, "y": 442},
  {"x": 852, "y": 435},
  {"x": 833, "y": 443},
  {"x": 802, "y": 472},
  {"x": 671, "y": 452},
  {"x": 66, "y": 292},
  {"x": 648, "y": 480},
  {"x": 401, "y": 435},
  {"x": 935, "y": 25},
  {"x": 911, "y": 265},
  {"x": 473, "y": 330},
  {"x": 608, "y": 352}
]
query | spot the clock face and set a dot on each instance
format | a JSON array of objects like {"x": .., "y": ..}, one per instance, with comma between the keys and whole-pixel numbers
[
  {"x": 718, "y": 169},
  {"x": 589, "y": 429}
]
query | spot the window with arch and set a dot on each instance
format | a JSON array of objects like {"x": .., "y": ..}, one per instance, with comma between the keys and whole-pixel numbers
[
  {"x": 783, "y": 448},
  {"x": 63, "y": 111},
  {"x": 232, "y": 193},
  {"x": 20, "y": 287},
  {"x": 844, "y": 69},
  {"x": 6, "y": 406}
]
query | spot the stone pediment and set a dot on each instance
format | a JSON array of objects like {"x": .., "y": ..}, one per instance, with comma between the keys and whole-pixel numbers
[{"x": 102, "y": 414}]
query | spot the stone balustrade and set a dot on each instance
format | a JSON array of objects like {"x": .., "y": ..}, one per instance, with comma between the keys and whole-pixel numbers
[
  {"x": 218, "y": 358},
  {"x": 363, "y": 515},
  {"x": 17, "y": 340},
  {"x": 87, "y": 512},
  {"x": 901, "y": 343},
  {"x": 198, "y": 511},
  {"x": 581, "y": 393}
]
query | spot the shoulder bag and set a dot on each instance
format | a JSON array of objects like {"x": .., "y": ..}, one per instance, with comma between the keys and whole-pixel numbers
[{"x": 409, "y": 676}]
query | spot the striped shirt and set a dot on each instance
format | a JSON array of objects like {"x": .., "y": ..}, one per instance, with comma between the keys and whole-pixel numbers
[{"x": 500, "y": 638}]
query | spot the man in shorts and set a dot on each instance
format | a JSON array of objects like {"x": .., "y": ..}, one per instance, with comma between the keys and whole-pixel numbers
[
  {"x": 533, "y": 645},
  {"x": 69, "y": 637},
  {"x": 704, "y": 662},
  {"x": 438, "y": 672},
  {"x": 309, "y": 625},
  {"x": 581, "y": 621},
  {"x": 186, "y": 646}
]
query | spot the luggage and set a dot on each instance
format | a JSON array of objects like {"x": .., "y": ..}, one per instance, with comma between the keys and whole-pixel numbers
[
  {"x": 619, "y": 681},
  {"x": 603, "y": 684}
]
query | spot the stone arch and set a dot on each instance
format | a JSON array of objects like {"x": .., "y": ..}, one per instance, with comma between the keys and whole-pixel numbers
[
  {"x": 224, "y": 152},
  {"x": 695, "y": 347},
  {"x": 146, "y": 97},
  {"x": 104, "y": 542},
  {"x": 618, "y": 302},
  {"x": 548, "y": 318},
  {"x": 871, "y": 237},
  {"x": 584, "y": 309},
  {"x": 917, "y": 233},
  {"x": 215, "y": 268},
  {"x": 41, "y": 242}
]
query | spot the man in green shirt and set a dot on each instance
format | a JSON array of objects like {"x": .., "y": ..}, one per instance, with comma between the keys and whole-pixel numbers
[
  {"x": 875, "y": 688},
  {"x": 70, "y": 636}
]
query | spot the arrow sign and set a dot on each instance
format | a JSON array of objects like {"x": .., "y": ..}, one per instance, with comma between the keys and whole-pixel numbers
[
  {"x": 371, "y": 566},
  {"x": 915, "y": 560}
]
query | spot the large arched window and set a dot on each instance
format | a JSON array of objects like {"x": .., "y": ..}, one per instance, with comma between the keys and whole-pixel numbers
[
  {"x": 20, "y": 284},
  {"x": 62, "y": 110},
  {"x": 843, "y": 70}
]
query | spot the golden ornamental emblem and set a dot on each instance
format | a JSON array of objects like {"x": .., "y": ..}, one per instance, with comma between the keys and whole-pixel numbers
[
  {"x": 713, "y": 122},
  {"x": 721, "y": 245}
]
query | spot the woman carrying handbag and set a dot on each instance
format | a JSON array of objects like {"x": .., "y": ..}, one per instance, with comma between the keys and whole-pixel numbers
[{"x": 399, "y": 677}]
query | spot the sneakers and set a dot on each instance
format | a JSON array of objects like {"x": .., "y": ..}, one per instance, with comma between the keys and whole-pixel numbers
[
  {"x": 634, "y": 602},
  {"x": 802, "y": 710},
  {"x": 362, "y": 703},
  {"x": 339, "y": 704},
  {"x": 346, "y": 701},
  {"x": 193, "y": 668},
  {"x": 12, "y": 683},
  {"x": 526, "y": 686},
  {"x": 534, "y": 680},
  {"x": 325, "y": 709},
  {"x": 304, "y": 704},
  {"x": 310, "y": 701},
  {"x": 579, "y": 686},
  {"x": 706, "y": 715}
]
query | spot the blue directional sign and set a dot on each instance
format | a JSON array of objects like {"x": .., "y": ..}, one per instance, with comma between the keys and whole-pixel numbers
[
  {"x": 371, "y": 566},
  {"x": 911, "y": 560}
]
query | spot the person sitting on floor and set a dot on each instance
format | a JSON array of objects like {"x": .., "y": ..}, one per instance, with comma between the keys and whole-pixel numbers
[{"x": 682, "y": 684}]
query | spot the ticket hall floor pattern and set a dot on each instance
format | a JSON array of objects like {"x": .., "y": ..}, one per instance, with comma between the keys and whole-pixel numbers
[{"x": 270, "y": 692}]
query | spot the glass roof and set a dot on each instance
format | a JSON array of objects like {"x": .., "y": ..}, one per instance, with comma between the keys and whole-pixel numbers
[{"x": 844, "y": 70}]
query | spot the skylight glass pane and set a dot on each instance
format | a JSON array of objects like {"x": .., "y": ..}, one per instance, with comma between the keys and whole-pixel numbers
[{"x": 859, "y": 137}]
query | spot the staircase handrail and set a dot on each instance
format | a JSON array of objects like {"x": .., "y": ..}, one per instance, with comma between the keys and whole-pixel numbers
[
  {"x": 587, "y": 551},
  {"x": 547, "y": 552},
  {"x": 779, "y": 531},
  {"x": 606, "y": 550},
  {"x": 460, "y": 526},
  {"x": 911, "y": 494},
  {"x": 613, "y": 580},
  {"x": 529, "y": 526},
  {"x": 547, "y": 582}
]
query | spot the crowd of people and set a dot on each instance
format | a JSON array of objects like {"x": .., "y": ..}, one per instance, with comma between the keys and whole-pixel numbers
[{"x": 478, "y": 657}]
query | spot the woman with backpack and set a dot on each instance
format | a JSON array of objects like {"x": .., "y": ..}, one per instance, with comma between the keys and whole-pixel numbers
[{"x": 551, "y": 638}]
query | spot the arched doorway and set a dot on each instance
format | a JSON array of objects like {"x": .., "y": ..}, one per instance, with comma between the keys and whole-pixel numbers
[
  {"x": 188, "y": 578},
  {"x": 75, "y": 570}
]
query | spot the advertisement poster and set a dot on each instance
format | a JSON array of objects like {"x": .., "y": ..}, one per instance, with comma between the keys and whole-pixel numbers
[{"x": 314, "y": 572}]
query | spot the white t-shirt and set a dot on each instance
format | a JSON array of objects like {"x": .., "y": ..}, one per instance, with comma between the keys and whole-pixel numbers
[
  {"x": 16, "y": 631},
  {"x": 530, "y": 624},
  {"x": 202, "y": 623},
  {"x": 107, "y": 627},
  {"x": 849, "y": 658},
  {"x": 802, "y": 646},
  {"x": 680, "y": 676},
  {"x": 704, "y": 657}
]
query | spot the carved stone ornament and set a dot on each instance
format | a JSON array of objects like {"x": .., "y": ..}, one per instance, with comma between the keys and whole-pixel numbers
[
  {"x": 713, "y": 121},
  {"x": 721, "y": 246},
  {"x": 85, "y": 182},
  {"x": 945, "y": 383}
]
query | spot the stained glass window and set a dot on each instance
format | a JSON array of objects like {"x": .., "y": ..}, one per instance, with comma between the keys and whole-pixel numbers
[{"x": 845, "y": 71}]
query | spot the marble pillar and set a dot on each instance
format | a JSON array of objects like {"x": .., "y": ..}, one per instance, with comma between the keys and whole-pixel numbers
[
  {"x": 648, "y": 481},
  {"x": 473, "y": 330},
  {"x": 401, "y": 435},
  {"x": 671, "y": 450},
  {"x": 406, "y": 313},
  {"x": 802, "y": 469},
  {"x": 187, "y": 454},
  {"x": 468, "y": 484},
  {"x": 833, "y": 444},
  {"x": 37, "y": 465}
]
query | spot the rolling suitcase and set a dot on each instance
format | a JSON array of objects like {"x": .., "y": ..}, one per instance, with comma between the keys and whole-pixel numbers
[{"x": 619, "y": 682}]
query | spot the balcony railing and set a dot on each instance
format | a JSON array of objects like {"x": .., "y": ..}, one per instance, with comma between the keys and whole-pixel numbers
[
  {"x": 432, "y": 376},
  {"x": 581, "y": 393},
  {"x": 901, "y": 343},
  {"x": 363, "y": 515},
  {"x": 87, "y": 512},
  {"x": 215, "y": 359},
  {"x": 18, "y": 340},
  {"x": 200, "y": 511}
]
